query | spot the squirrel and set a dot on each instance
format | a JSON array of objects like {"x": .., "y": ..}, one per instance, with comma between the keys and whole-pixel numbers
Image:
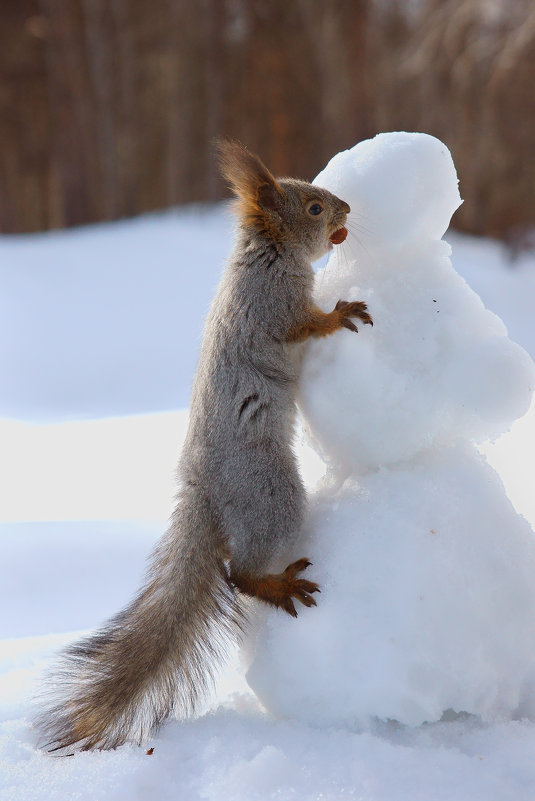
[{"x": 241, "y": 500}]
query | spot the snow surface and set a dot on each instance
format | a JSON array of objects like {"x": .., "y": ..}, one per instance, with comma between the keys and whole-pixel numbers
[
  {"x": 112, "y": 478},
  {"x": 98, "y": 318}
]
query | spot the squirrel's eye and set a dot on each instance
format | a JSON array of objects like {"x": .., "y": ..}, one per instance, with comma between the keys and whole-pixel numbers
[{"x": 315, "y": 209}]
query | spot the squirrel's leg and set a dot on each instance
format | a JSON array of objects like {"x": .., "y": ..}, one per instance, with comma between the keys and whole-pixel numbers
[
  {"x": 278, "y": 589},
  {"x": 320, "y": 324}
]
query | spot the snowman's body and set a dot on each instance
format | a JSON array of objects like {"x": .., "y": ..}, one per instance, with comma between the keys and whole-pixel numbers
[{"x": 428, "y": 574}]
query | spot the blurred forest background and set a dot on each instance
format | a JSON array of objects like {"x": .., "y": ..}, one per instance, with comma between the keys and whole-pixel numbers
[{"x": 109, "y": 108}]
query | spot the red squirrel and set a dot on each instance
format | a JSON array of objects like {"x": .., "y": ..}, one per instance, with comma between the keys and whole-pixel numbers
[{"x": 241, "y": 500}]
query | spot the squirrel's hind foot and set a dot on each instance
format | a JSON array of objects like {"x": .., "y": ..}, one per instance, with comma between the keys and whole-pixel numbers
[
  {"x": 278, "y": 589},
  {"x": 298, "y": 588}
]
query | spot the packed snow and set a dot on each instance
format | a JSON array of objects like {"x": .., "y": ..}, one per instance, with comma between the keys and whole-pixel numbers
[
  {"x": 418, "y": 620},
  {"x": 429, "y": 598},
  {"x": 437, "y": 366}
]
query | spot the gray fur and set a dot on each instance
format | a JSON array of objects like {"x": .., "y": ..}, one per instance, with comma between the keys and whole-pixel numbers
[
  {"x": 243, "y": 404},
  {"x": 241, "y": 500}
]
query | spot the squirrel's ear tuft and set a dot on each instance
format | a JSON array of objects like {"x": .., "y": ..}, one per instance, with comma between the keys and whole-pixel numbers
[{"x": 256, "y": 188}]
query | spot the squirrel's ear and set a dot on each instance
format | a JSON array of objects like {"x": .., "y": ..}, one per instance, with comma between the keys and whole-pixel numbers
[{"x": 248, "y": 177}]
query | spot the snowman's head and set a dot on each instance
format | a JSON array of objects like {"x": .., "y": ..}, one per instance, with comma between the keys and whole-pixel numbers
[{"x": 401, "y": 187}]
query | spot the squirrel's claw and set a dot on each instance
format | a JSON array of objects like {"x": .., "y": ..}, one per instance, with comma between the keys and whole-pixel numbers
[
  {"x": 297, "y": 567},
  {"x": 288, "y": 606},
  {"x": 302, "y": 594},
  {"x": 346, "y": 322}
]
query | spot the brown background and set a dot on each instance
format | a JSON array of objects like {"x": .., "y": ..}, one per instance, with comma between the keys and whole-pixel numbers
[{"x": 109, "y": 108}]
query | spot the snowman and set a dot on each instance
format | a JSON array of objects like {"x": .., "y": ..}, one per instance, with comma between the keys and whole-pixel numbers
[{"x": 427, "y": 573}]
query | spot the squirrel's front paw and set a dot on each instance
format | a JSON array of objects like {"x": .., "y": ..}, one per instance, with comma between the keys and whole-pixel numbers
[{"x": 352, "y": 308}]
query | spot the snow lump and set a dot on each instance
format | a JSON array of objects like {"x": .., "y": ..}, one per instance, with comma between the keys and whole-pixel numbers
[{"x": 427, "y": 572}]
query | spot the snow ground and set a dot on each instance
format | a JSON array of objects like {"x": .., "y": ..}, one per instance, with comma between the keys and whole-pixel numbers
[{"x": 100, "y": 332}]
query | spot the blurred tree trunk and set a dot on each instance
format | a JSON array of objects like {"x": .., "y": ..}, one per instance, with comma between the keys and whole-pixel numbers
[
  {"x": 25, "y": 175},
  {"x": 71, "y": 121}
]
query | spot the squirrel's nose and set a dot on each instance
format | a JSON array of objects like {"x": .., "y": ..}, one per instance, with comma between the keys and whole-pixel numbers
[{"x": 346, "y": 207}]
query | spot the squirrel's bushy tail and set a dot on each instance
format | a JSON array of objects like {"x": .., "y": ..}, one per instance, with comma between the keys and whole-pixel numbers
[{"x": 157, "y": 655}]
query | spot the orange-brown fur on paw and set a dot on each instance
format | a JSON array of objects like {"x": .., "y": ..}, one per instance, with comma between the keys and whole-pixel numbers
[
  {"x": 278, "y": 589},
  {"x": 352, "y": 308},
  {"x": 321, "y": 324}
]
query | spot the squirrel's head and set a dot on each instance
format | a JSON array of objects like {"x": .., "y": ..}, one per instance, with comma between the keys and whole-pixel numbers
[{"x": 292, "y": 213}]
